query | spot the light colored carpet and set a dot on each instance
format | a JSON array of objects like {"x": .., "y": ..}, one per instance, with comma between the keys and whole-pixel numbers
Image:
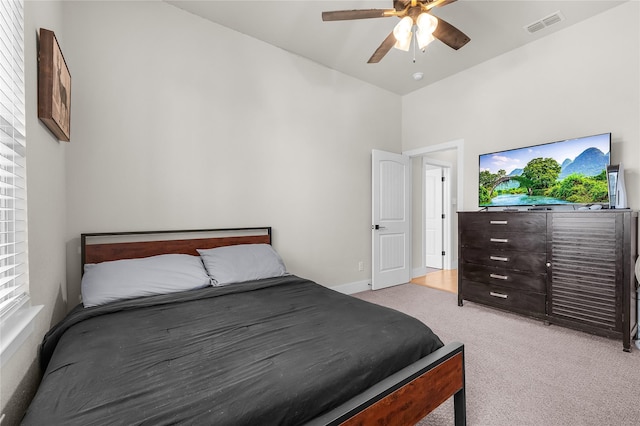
[{"x": 521, "y": 372}]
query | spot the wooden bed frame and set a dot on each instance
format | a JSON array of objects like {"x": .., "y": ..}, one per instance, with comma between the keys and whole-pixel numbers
[{"x": 401, "y": 399}]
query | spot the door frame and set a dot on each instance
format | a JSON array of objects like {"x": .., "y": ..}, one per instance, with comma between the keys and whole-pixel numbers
[
  {"x": 458, "y": 201},
  {"x": 445, "y": 167}
]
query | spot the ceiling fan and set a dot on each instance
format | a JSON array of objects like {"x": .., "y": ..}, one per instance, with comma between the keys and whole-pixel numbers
[{"x": 411, "y": 13}]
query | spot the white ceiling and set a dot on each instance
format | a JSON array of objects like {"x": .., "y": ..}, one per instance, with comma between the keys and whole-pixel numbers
[{"x": 495, "y": 27}]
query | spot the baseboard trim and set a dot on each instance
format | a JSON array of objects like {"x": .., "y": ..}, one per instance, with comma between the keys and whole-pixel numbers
[
  {"x": 418, "y": 272},
  {"x": 352, "y": 288},
  {"x": 360, "y": 286},
  {"x": 422, "y": 271}
]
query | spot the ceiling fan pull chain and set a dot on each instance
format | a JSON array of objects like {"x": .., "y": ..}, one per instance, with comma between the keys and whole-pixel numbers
[{"x": 415, "y": 41}]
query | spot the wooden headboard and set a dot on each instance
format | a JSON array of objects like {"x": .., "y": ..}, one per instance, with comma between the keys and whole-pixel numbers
[{"x": 102, "y": 247}]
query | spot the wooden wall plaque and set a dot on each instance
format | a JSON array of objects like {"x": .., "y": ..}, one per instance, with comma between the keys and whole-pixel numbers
[{"x": 54, "y": 87}]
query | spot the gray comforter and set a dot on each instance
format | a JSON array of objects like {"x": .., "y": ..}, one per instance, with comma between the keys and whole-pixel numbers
[{"x": 275, "y": 351}]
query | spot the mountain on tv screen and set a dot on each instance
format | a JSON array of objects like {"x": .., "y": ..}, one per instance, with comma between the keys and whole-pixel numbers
[{"x": 573, "y": 171}]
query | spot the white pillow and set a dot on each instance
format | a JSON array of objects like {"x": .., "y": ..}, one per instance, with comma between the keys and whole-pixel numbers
[
  {"x": 129, "y": 278},
  {"x": 243, "y": 262}
]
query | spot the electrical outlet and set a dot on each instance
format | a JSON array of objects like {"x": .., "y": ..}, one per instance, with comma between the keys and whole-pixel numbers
[{"x": 361, "y": 266}]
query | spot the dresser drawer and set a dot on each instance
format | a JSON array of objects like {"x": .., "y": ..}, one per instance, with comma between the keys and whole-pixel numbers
[
  {"x": 500, "y": 240},
  {"x": 504, "y": 297},
  {"x": 519, "y": 280},
  {"x": 518, "y": 260},
  {"x": 504, "y": 221}
]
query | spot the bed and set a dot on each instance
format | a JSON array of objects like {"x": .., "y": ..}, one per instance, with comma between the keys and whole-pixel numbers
[{"x": 278, "y": 349}]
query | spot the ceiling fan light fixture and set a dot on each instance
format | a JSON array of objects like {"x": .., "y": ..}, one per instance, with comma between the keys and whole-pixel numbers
[
  {"x": 423, "y": 39},
  {"x": 427, "y": 23},
  {"x": 403, "y": 34},
  {"x": 412, "y": 13}
]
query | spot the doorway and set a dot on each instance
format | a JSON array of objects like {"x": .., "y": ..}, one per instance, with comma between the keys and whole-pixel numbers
[
  {"x": 436, "y": 186},
  {"x": 450, "y": 156}
]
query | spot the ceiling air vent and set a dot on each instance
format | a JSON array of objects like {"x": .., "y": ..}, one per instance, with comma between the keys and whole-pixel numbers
[{"x": 545, "y": 22}]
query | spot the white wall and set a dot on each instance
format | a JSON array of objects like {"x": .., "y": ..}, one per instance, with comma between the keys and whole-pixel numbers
[
  {"x": 181, "y": 123},
  {"x": 46, "y": 208},
  {"x": 576, "y": 82}
]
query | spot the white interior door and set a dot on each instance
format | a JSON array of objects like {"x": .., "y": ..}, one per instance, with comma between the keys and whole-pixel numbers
[
  {"x": 391, "y": 214},
  {"x": 433, "y": 216}
]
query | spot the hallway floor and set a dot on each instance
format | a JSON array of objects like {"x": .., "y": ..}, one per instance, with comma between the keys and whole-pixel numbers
[{"x": 445, "y": 279}]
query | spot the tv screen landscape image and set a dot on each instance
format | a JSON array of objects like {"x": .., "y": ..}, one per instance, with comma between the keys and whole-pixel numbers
[{"x": 572, "y": 171}]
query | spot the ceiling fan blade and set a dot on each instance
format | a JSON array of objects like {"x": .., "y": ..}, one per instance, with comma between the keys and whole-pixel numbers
[
  {"x": 450, "y": 35},
  {"x": 346, "y": 15},
  {"x": 402, "y": 4},
  {"x": 383, "y": 49},
  {"x": 439, "y": 3}
]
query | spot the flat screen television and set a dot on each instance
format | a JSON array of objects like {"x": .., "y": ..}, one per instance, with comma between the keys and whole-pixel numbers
[{"x": 572, "y": 171}]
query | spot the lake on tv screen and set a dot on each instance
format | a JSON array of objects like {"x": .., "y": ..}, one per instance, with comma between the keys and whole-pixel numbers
[{"x": 524, "y": 200}]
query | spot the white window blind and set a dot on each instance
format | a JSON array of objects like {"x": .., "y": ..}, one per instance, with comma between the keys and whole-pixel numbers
[{"x": 13, "y": 232}]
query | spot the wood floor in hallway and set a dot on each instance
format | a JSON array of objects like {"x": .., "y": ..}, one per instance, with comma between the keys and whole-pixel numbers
[{"x": 445, "y": 279}]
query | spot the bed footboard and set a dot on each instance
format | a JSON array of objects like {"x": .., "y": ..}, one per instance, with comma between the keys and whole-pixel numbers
[{"x": 408, "y": 395}]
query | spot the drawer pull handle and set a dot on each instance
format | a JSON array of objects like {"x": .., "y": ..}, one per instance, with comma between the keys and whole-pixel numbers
[
  {"x": 499, "y": 222},
  {"x": 499, "y": 258},
  {"x": 500, "y": 295},
  {"x": 499, "y": 240},
  {"x": 499, "y": 277}
]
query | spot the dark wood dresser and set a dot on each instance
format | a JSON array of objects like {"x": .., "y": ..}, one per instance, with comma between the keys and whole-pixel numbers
[{"x": 572, "y": 268}]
